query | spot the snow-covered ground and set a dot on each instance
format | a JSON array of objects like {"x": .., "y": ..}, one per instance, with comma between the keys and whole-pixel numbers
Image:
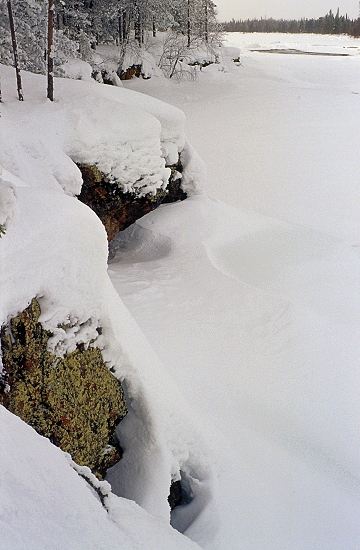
[{"x": 250, "y": 294}]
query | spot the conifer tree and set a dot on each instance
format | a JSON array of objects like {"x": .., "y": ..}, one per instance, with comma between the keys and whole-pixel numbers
[{"x": 29, "y": 22}]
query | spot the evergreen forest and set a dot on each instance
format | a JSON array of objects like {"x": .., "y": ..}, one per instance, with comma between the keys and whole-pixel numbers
[
  {"x": 80, "y": 25},
  {"x": 329, "y": 24}
]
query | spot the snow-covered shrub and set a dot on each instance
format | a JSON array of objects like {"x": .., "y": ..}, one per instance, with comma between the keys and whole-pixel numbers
[
  {"x": 176, "y": 56},
  {"x": 8, "y": 206},
  {"x": 65, "y": 50},
  {"x": 76, "y": 69}
]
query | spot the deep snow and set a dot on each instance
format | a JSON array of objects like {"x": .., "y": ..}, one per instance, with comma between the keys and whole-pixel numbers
[
  {"x": 254, "y": 307},
  {"x": 55, "y": 248},
  {"x": 44, "y": 504},
  {"x": 249, "y": 295}
]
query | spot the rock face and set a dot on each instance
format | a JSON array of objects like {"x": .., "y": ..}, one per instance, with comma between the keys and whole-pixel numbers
[
  {"x": 74, "y": 401},
  {"x": 116, "y": 209},
  {"x": 175, "y": 497},
  {"x": 134, "y": 70}
]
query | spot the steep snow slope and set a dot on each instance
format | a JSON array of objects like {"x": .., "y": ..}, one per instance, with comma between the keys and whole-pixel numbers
[{"x": 45, "y": 504}]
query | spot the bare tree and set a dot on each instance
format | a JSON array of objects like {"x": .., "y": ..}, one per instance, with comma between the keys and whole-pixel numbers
[
  {"x": 175, "y": 57},
  {"x": 137, "y": 22},
  {"x": 15, "y": 52}
]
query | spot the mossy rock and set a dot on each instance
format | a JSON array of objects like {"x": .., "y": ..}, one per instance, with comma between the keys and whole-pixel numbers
[{"x": 75, "y": 401}]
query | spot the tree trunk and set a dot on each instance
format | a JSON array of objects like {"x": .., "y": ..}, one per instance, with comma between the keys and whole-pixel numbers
[
  {"x": 120, "y": 27},
  {"x": 137, "y": 28},
  {"x": 124, "y": 25},
  {"x": 188, "y": 24},
  {"x": 154, "y": 28},
  {"x": 14, "y": 46},
  {"x": 50, "y": 58},
  {"x": 206, "y": 28}
]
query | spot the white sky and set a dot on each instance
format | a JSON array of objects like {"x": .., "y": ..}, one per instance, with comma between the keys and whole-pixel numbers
[{"x": 283, "y": 9}]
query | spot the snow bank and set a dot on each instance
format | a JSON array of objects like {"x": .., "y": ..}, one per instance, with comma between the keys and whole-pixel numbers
[
  {"x": 194, "y": 171},
  {"x": 7, "y": 199},
  {"x": 172, "y": 120},
  {"x": 55, "y": 249},
  {"x": 131, "y": 157},
  {"x": 44, "y": 503},
  {"x": 129, "y": 136}
]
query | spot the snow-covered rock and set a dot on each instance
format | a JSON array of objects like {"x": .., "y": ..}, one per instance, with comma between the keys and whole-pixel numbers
[
  {"x": 77, "y": 69},
  {"x": 130, "y": 137},
  {"x": 55, "y": 249}
]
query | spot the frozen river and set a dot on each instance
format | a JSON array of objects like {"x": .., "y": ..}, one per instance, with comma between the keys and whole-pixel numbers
[{"x": 254, "y": 307}]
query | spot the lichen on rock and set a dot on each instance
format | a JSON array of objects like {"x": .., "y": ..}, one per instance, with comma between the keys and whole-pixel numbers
[{"x": 73, "y": 400}]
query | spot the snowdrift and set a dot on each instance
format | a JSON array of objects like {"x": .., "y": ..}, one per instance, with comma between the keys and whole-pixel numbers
[
  {"x": 44, "y": 503},
  {"x": 55, "y": 249}
]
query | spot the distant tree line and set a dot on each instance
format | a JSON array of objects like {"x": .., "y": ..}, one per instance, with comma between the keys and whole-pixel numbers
[{"x": 329, "y": 24}]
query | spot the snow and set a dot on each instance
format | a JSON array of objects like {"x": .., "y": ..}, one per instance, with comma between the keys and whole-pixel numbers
[
  {"x": 55, "y": 249},
  {"x": 256, "y": 288},
  {"x": 7, "y": 199},
  {"x": 232, "y": 317},
  {"x": 145, "y": 134},
  {"x": 44, "y": 503},
  {"x": 77, "y": 69}
]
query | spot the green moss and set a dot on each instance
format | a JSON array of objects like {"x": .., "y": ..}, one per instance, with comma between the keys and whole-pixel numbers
[{"x": 74, "y": 401}]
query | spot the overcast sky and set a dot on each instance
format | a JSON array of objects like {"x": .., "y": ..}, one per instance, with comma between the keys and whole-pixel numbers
[{"x": 283, "y": 9}]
